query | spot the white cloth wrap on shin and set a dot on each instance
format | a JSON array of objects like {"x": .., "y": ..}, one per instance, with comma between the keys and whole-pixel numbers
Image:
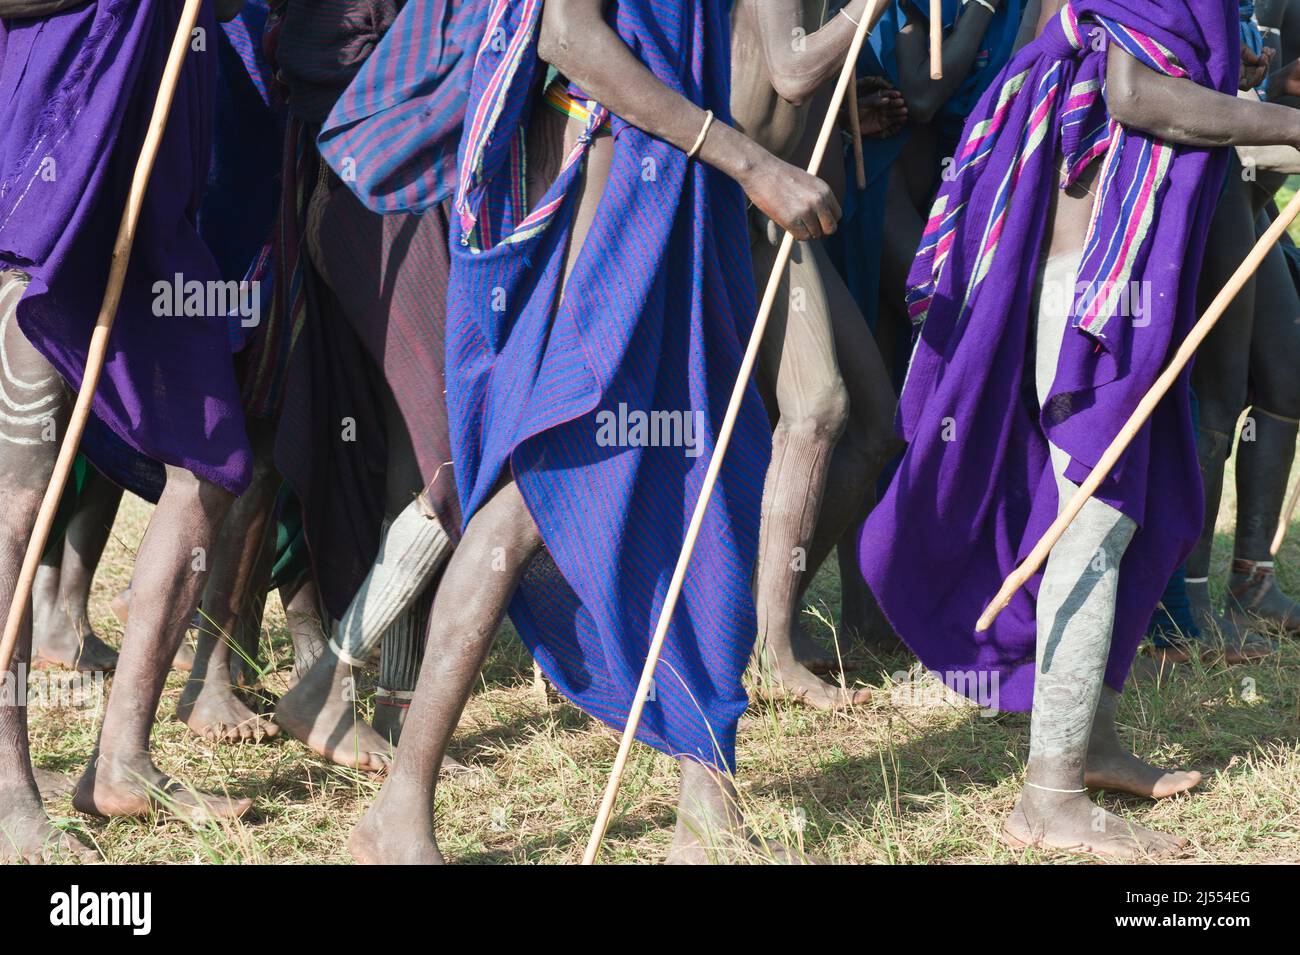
[
  {"x": 402, "y": 648},
  {"x": 412, "y": 549}
]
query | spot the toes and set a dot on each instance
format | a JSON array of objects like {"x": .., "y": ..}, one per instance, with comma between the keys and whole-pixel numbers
[
  {"x": 374, "y": 762},
  {"x": 1171, "y": 784}
]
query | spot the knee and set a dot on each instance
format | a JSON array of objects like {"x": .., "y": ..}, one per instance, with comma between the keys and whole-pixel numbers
[
  {"x": 20, "y": 505},
  {"x": 197, "y": 495},
  {"x": 1220, "y": 397},
  {"x": 1278, "y": 395},
  {"x": 880, "y": 444},
  {"x": 505, "y": 528},
  {"x": 824, "y": 411}
]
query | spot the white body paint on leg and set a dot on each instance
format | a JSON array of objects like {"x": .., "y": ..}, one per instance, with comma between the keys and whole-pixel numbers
[
  {"x": 25, "y": 406},
  {"x": 1076, "y": 602}
]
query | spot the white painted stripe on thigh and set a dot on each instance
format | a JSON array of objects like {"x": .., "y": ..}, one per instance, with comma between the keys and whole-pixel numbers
[{"x": 7, "y": 312}]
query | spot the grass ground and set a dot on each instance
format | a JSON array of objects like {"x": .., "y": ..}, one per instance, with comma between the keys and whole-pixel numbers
[
  {"x": 1284, "y": 195},
  {"x": 886, "y": 783}
]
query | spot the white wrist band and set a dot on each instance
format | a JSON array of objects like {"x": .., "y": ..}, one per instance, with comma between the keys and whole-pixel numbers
[{"x": 704, "y": 131}]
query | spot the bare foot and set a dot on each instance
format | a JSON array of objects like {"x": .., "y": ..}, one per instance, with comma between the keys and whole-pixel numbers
[
  {"x": 810, "y": 652},
  {"x": 793, "y": 681},
  {"x": 1071, "y": 822},
  {"x": 745, "y": 848},
  {"x": 120, "y": 606},
  {"x": 51, "y": 784},
  {"x": 320, "y": 712},
  {"x": 1113, "y": 768},
  {"x": 711, "y": 827},
  {"x": 395, "y": 831},
  {"x": 184, "y": 659},
  {"x": 72, "y": 645},
  {"x": 26, "y": 834},
  {"x": 138, "y": 788},
  {"x": 210, "y": 708}
]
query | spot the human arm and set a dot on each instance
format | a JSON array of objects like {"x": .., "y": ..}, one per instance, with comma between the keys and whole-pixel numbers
[{"x": 577, "y": 41}]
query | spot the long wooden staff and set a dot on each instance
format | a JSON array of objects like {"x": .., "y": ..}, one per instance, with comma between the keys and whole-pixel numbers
[
  {"x": 724, "y": 439},
  {"x": 1140, "y": 414},
  {"x": 1284, "y": 521},
  {"x": 99, "y": 337},
  {"x": 936, "y": 39}
]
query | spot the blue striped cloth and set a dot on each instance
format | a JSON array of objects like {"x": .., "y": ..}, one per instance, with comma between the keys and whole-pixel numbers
[
  {"x": 653, "y": 319},
  {"x": 392, "y": 135}
]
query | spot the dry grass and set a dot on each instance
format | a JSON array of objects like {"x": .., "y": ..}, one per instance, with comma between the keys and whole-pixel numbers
[{"x": 882, "y": 784}]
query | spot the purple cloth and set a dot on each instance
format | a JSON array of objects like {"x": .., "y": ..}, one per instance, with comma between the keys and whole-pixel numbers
[
  {"x": 653, "y": 319},
  {"x": 76, "y": 93},
  {"x": 975, "y": 489}
]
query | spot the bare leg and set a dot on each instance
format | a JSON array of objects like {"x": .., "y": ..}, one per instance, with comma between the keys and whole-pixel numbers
[
  {"x": 1267, "y": 450},
  {"x": 1219, "y": 378},
  {"x": 34, "y": 398},
  {"x": 866, "y": 447},
  {"x": 170, "y": 574},
  {"x": 476, "y": 587},
  {"x": 799, "y": 364},
  {"x": 45, "y": 590},
  {"x": 859, "y": 614},
  {"x": 67, "y": 638},
  {"x": 183, "y": 659},
  {"x": 320, "y": 710},
  {"x": 209, "y": 705},
  {"x": 302, "y": 616},
  {"x": 1076, "y": 614},
  {"x": 391, "y": 606}
]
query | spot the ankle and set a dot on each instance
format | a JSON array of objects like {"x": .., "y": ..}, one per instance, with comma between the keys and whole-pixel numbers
[{"x": 1249, "y": 570}]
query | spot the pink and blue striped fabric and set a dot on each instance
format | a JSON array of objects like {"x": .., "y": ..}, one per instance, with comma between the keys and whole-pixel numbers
[
  {"x": 652, "y": 320},
  {"x": 393, "y": 134},
  {"x": 975, "y": 488}
]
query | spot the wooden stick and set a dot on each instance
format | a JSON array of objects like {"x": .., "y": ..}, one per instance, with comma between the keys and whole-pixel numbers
[
  {"x": 1140, "y": 415},
  {"x": 724, "y": 439},
  {"x": 99, "y": 336},
  {"x": 936, "y": 39},
  {"x": 855, "y": 132},
  {"x": 1284, "y": 520}
]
